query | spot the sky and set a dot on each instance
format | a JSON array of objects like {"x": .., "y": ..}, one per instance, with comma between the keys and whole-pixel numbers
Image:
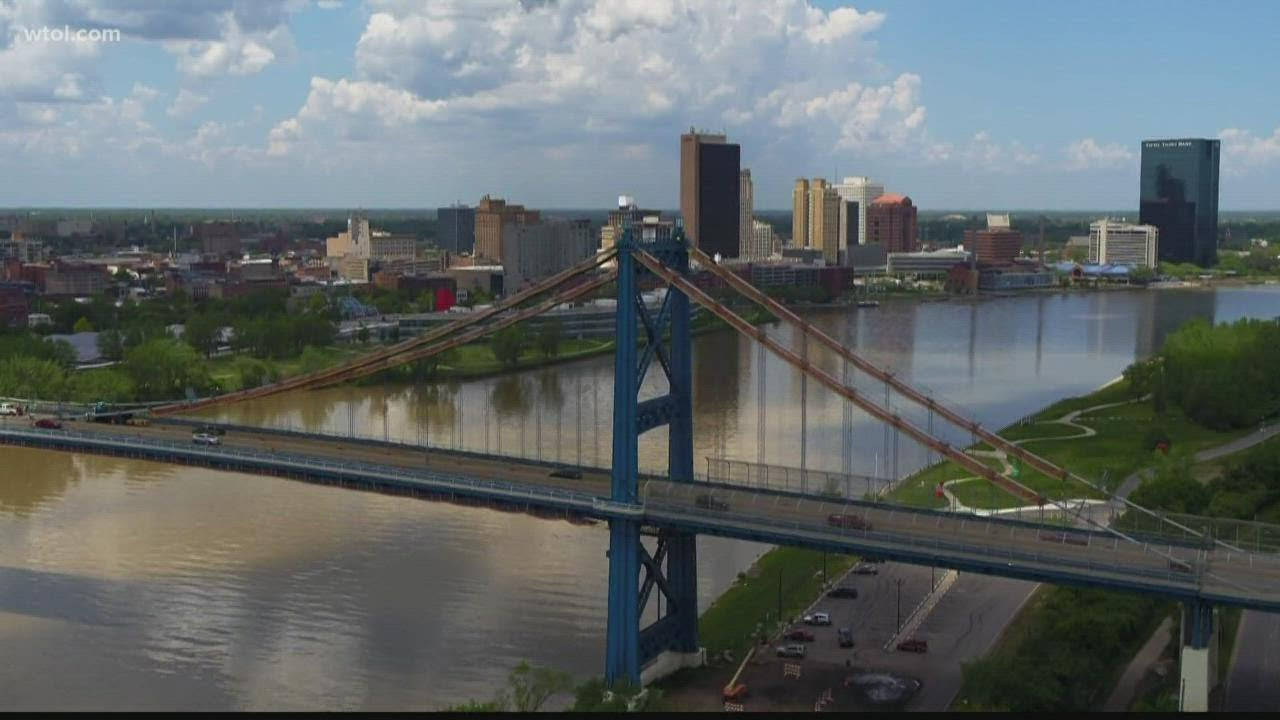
[{"x": 960, "y": 104}]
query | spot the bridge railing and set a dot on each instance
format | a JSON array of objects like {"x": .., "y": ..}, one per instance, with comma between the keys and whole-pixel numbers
[
  {"x": 792, "y": 479},
  {"x": 425, "y": 479},
  {"x": 1046, "y": 546}
]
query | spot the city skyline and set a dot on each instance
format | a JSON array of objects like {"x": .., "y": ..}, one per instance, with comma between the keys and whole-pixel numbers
[{"x": 379, "y": 105}]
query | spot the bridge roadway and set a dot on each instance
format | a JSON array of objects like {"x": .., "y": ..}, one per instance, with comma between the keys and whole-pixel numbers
[{"x": 1009, "y": 548}]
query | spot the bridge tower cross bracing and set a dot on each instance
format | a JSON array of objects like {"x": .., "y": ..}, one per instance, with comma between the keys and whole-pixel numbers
[{"x": 667, "y": 339}]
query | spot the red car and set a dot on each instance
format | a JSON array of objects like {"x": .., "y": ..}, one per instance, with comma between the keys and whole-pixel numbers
[
  {"x": 914, "y": 645},
  {"x": 848, "y": 521},
  {"x": 48, "y": 424},
  {"x": 801, "y": 635}
]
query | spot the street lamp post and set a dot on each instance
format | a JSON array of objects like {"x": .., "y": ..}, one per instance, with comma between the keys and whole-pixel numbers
[{"x": 898, "y": 582}]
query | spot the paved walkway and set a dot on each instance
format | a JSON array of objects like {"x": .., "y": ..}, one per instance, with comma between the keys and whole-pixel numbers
[
  {"x": 1068, "y": 420},
  {"x": 1127, "y": 688}
]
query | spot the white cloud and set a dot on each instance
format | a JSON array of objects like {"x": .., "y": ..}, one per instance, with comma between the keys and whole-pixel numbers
[
  {"x": 987, "y": 155},
  {"x": 1241, "y": 148},
  {"x": 186, "y": 102},
  {"x": 1087, "y": 154},
  {"x": 512, "y": 71}
]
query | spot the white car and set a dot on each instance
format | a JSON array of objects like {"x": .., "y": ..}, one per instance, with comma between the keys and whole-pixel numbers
[
  {"x": 8, "y": 409},
  {"x": 205, "y": 439},
  {"x": 818, "y": 618}
]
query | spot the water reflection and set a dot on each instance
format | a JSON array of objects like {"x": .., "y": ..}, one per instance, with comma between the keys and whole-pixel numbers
[{"x": 135, "y": 585}]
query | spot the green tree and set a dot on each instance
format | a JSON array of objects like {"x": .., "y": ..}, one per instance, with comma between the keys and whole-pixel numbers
[
  {"x": 111, "y": 344},
  {"x": 100, "y": 385},
  {"x": 82, "y": 325},
  {"x": 531, "y": 686},
  {"x": 30, "y": 377},
  {"x": 164, "y": 369},
  {"x": 549, "y": 337},
  {"x": 201, "y": 333},
  {"x": 362, "y": 335},
  {"x": 507, "y": 344},
  {"x": 253, "y": 372}
]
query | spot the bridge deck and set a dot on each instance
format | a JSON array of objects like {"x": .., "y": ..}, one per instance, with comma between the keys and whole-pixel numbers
[{"x": 1009, "y": 548}]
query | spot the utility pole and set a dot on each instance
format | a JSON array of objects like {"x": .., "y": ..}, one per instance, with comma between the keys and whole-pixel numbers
[
  {"x": 779, "y": 595},
  {"x": 898, "y": 582}
]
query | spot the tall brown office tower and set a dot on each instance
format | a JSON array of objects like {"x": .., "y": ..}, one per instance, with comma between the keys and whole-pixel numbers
[{"x": 709, "y": 192}]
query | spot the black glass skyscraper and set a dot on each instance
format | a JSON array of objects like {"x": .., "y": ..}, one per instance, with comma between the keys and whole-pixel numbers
[
  {"x": 1180, "y": 197},
  {"x": 456, "y": 228}
]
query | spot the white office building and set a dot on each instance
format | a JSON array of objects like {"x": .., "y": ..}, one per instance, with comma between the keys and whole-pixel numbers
[
  {"x": 1118, "y": 243},
  {"x": 856, "y": 194},
  {"x": 762, "y": 241}
]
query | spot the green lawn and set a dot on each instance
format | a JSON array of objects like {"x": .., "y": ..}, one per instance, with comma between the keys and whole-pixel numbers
[{"x": 1106, "y": 458}]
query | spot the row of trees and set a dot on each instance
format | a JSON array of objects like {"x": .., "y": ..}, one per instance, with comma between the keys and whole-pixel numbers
[
  {"x": 1221, "y": 376},
  {"x": 508, "y": 344},
  {"x": 158, "y": 369}
]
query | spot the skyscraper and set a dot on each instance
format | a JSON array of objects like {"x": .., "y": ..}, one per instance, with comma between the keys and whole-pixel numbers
[
  {"x": 709, "y": 192},
  {"x": 824, "y": 219},
  {"x": 456, "y": 228},
  {"x": 856, "y": 194},
  {"x": 746, "y": 198},
  {"x": 800, "y": 214},
  {"x": 891, "y": 222},
  {"x": 1180, "y": 198}
]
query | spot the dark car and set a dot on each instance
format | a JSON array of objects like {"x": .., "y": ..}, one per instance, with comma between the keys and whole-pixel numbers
[
  {"x": 568, "y": 473},
  {"x": 800, "y": 635},
  {"x": 843, "y": 592},
  {"x": 914, "y": 645},
  {"x": 209, "y": 430},
  {"x": 845, "y": 637},
  {"x": 865, "y": 570},
  {"x": 707, "y": 502},
  {"x": 852, "y": 522},
  {"x": 48, "y": 424}
]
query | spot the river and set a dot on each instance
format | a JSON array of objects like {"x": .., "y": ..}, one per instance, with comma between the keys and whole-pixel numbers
[{"x": 133, "y": 585}]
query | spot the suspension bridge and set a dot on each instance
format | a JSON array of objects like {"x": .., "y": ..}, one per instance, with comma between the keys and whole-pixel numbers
[{"x": 838, "y": 512}]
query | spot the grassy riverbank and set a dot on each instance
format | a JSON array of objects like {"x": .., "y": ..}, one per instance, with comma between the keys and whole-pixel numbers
[
  {"x": 749, "y": 608},
  {"x": 1117, "y": 449},
  {"x": 1067, "y": 647}
]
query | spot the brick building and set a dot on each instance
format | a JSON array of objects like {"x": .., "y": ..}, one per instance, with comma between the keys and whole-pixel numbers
[
  {"x": 493, "y": 216},
  {"x": 891, "y": 222},
  {"x": 994, "y": 245}
]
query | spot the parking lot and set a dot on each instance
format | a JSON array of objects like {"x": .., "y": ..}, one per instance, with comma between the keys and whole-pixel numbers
[{"x": 961, "y": 627}]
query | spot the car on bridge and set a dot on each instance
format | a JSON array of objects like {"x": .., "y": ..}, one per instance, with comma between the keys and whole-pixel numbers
[
  {"x": 795, "y": 650},
  {"x": 800, "y": 635},
  {"x": 818, "y": 618},
  {"x": 843, "y": 592},
  {"x": 209, "y": 430},
  {"x": 48, "y": 424},
  {"x": 914, "y": 645},
  {"x": 709, "y": 502},
  {"x": 567, "y": 473},
  {"x": 845, "y": 637},
  {"x": 852, "y": 522},
  {"x": 8, "y": 409},
  {"x": 865, "y": 570},
  {"x": 205, "y": 439}
]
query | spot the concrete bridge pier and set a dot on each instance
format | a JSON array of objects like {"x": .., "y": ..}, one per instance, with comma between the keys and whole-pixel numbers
[{"x": 1199, "y": 662}]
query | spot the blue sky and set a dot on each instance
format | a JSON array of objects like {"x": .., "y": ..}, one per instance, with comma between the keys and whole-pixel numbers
[{"x": 569, "y": 103}]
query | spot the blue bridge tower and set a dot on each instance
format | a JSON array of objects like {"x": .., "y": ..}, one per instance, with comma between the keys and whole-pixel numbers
[{"x": 643, "y": 337}]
